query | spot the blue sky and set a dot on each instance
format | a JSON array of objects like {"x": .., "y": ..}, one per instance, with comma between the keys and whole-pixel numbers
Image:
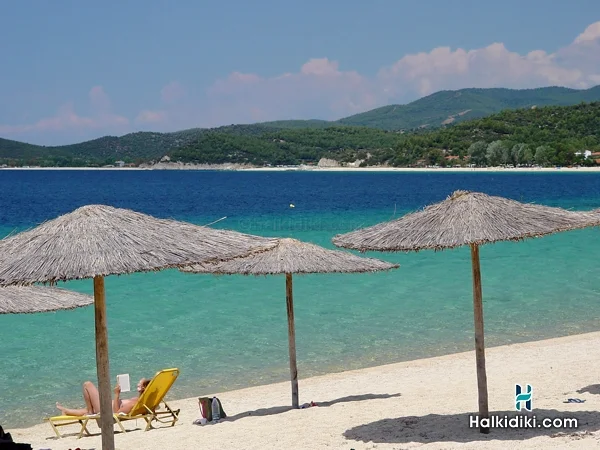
[{"x": 73, "y": 70}]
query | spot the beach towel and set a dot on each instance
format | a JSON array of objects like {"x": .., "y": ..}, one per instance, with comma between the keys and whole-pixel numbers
[{"x": 205, "y": 404}]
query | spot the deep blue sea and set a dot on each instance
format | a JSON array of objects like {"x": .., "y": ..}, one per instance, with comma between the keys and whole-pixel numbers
[{"x": 229, "y": 332}]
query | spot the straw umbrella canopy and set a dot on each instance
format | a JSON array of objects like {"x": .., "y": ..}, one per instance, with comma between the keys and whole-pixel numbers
[
  {"x": 291, "y": 256},
  {"x": 34, "y": 299},
  {"x": 473, "y": 219},
  {"x": 95, "y": 241}
]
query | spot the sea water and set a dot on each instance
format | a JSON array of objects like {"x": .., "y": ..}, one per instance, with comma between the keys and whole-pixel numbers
[{"x": 532, "y": 290}]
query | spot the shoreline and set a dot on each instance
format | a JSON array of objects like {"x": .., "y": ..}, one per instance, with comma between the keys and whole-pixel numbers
[
  {"x": 419, "y": 403},
  {"x": 228, "y": 168}
]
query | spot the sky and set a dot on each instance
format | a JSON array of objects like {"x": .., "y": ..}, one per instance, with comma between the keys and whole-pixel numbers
[{"x": 72, "y": 70}]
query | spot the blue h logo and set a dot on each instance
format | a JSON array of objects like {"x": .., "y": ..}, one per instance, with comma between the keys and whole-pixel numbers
[{"x": 523, "y": 398}]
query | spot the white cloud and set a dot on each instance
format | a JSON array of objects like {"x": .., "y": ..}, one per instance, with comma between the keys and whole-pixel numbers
[
  {"x": 320, "y": 66},
  {"x": 172, "y": 92},
  {"x": 66, "y": 118},
  {"x": 172, "y": 113},
  {"x": 591, "y": 33},
  {"x": 321, "y": 89},
  {"x": 148, "y": 116},
  {"x": 99, "y": 100}
]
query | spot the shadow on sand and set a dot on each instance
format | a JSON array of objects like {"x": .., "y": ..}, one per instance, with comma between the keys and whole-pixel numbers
[
  {"x": 455, "y": 428},
  {"x": 97, "y": 432},
  {"x": 282, "y": 409},
  {"x": 591, "y": 389}
]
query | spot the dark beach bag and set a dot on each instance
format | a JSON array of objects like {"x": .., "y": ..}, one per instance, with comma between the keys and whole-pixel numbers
[
  {"x": 6, "y": 442},
  {"x": 205, "y": 404}
]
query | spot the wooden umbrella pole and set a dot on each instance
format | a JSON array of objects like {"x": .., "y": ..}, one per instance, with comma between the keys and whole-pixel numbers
[
  {"x": 479, "y": 343},
  {"x": 106, "y": 416},
  {"x": 289, "y": 299}
]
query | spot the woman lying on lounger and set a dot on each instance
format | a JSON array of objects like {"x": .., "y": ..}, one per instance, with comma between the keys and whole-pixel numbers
[{"x": 92, "y": 400}]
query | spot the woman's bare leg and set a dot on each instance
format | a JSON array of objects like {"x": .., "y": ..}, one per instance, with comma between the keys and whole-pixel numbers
[
  {"x": 91, "y": 397},
  {"x": 71, "y": 412},
  {"x": 92, "y": 402}
]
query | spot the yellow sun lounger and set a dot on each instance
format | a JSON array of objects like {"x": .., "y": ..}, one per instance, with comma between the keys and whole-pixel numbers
[{"x": 145, "y": 408}]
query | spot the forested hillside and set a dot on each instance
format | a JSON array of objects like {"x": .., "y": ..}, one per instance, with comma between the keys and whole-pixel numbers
[
  {"x": 451, "y": 107},
  {"x": 549, "y": 135}
]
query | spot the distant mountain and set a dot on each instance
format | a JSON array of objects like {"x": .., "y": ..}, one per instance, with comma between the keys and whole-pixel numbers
[
  {"x": 132, "y": 146},
  {"x": 19, "y": 150},
  {"x": 546, "y": 135},
  {"x": 310, "y": 123},
  {"x": 450, "y": 107},
  {"x": 549, "y": 135},
  {"x": 434, "y": 111},
  {"x": 137, "y": 147}
]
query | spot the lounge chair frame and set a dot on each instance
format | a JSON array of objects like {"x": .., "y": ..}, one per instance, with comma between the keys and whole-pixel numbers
[{"x": 145, "y": 408}]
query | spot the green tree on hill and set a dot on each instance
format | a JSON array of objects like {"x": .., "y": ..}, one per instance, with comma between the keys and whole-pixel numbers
[{"x": 549, "y": 135}]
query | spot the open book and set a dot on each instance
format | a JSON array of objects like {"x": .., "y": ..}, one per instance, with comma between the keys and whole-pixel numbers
[{"x": 123, "y": 381}]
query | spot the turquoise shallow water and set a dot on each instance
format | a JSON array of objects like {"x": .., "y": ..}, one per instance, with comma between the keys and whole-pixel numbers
[{"x": 229, "y": 332}]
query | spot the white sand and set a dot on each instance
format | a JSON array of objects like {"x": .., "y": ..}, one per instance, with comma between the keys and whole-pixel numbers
[
  {"x": 426, "y": 169},
  {"x": 236, "y": 168},
  {"x": 422, "y": 403}
]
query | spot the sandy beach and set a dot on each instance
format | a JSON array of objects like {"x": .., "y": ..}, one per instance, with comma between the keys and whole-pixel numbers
[
  {"x": 429, "y": 169},
  {"x": 415, "y": 404},
  {"x": 238, "y": 167}
]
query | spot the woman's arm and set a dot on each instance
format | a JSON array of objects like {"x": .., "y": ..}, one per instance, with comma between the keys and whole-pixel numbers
[{"x": 116, "y": 404}]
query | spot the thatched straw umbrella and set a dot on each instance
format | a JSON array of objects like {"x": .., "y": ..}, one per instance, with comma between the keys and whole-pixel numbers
[
  {"x": 34, "y": 299},
  {"x": 95, "y": 241},
  {"x": 288, "y": 257},
  {"x": 467, "y": 218}
]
